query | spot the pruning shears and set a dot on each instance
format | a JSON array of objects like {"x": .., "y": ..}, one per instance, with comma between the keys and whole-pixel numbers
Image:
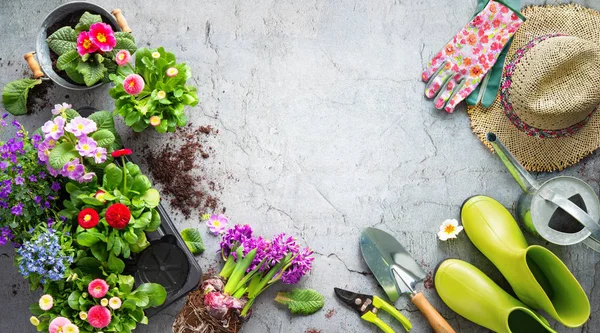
[{"x": 367, "y": 307}]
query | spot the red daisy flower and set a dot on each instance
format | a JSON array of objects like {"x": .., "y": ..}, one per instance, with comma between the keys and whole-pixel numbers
[
  {"x": 88, "y": 218},
  {"x": 118, "y": 216},
  {"x": 121, "y": 152}
]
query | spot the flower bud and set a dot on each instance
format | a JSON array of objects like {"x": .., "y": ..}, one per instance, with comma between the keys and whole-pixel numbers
[
  {"x": 104, "y": 302},
  {"x": 83, "y": 315},
  {"x": 34, "y": 321}
]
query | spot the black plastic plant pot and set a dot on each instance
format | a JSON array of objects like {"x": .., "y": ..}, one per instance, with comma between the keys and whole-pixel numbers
[
  {"x": 167, "y": 261},
  {"x": 54, "y": 18}
]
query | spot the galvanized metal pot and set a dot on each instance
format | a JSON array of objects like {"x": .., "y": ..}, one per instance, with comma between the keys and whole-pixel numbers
[{"x": 43, "y": 52}]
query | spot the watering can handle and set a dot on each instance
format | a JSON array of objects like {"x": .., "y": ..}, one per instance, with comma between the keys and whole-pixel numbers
[{"x": 572, "y": 209}]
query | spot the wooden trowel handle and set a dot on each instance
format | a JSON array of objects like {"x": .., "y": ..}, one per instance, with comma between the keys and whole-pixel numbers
[
  {"x": 33, "y": 65},
  {"x": 435, "y": 319},
  {"x": 121, "y": 21}
]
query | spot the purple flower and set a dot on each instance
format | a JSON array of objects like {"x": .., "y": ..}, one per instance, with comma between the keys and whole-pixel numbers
[
  {"x": 19, "y": 180},
  {"x": 50, "y": 222},
  {"x": 54, "y": 129},
  {"x": 17, "y": 210},
  {"x": 55, "y": 186},
  {"x": 100, "y": 155},
  {"x": 233, "y": 237},
  {"x": 217, "y": 223},
  {"x": 60, "y": 108},
  {"x": 3, "y": 165},
  {"x": 281, "y": 245},
  {"x": 86, "y": 178},
  {"x": 46, "y": 204},
  {"x": 73, "y": 169},
  {"x": 16, "y": 124},
  {"x": 5, "y": 235},
  {"x": 86, "y": 146},
  {"x": 80, "y": 126},
  {"x": 37, "y": 199},
  {"x": 36, "y": 138},
  {"x": 32, "y": 178},
  {"x": 42, "y": 175},
  {"x": 53, "y": 172},
  {"x": 301, "y": 265}
]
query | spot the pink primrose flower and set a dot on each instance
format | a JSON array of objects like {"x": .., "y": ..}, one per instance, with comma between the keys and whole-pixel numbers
[
  {"x": 102, "y": 35},
  {"x": 85, "y": 44}
]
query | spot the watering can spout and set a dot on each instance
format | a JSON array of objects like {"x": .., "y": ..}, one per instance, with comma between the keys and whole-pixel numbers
[{"x": 518, "y": 172}]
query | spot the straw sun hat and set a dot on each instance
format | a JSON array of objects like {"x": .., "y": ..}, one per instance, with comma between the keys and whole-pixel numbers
[{"x": 545, "y": 111}]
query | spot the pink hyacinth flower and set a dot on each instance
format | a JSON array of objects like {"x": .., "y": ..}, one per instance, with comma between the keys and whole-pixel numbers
[
  {"x": 133, "y": 84},
  {"x": 85, "y": 44},
  {"x": 98, "y": 288},
  {"x": 58, "y": 324},
  {"x": 98, "y": 316},
  {"x": 102, "y": 35},
  {"x": 122, "y": 58}
]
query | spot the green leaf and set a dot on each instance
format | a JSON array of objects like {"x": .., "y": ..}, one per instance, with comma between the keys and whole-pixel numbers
[
  {"x": 126, "y": 283},
  {"x": 66, "y": 59},
  {"x": 90, "y": 200},
  {"x": 91, "y": 72},
  {"x": 87, "y": 239},
  {"x": 35, "y": 309},
  {"x": 151, "y": 198},
  {"x": 132, "y": 118},
  {"x": 193, "y": 240},
  {"x": 14, "y": 95},
  {"x": 88, "y": 262},
  {"x": 74, "y": 75},
  {"x": 115, "y": 264},
  {"x": 86, "y": 20},
  {"x": 104, "y": 120},
  {"x": 301, "y": 301},
  {"x": 73, "y": 300},
  {"x": 154, "y": 222},
  {"x": 156, "y": 293},
  {"x": 99, "y": 251},
  {"x": 113, "y": 176},
  {"x": 62, "y": 40},
  {"x": 62, "y": 154},
  {"x": 103, "y": 138},
  {"x": 141, "y": 183},
  {"x": 71, "y": 114},
  {"x": 125, "y": 43}
]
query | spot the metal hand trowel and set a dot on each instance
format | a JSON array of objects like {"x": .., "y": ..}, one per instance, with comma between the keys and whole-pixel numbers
[{"x": 398, "y": 273}]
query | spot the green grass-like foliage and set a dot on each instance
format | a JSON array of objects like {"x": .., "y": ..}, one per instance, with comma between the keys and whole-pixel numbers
[{"x": 301, "y": 301}]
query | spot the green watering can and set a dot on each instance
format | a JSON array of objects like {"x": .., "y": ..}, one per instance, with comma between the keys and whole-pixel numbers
[{"x": 562, "y": 210}]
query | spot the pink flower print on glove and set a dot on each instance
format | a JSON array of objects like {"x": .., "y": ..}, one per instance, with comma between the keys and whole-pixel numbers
[{"x": 456, "y": 70}]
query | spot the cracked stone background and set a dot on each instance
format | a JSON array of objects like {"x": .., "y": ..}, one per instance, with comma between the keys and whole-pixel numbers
[{"x": 323, "y": 130}]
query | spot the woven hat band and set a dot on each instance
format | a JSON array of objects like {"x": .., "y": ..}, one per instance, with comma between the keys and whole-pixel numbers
[{"x": 550, "y": 86}]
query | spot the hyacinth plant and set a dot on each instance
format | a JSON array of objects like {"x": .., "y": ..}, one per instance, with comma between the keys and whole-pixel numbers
[
  {"x": 253, "y": 264},
  {"x": 28, "y": 193},
  {"x": 113, "y": 216},
  {"x": 76, "y": 147},
  {"x": 154, "y": 91},
  {"x": 87, "y": 303},
  {"x": 87, "y": 52}
]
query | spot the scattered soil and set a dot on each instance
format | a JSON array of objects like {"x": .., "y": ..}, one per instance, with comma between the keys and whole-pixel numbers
[
  {"x": 330, "y": 313},
  {"x": 182, "y": 178},
  {"x": 428, "y": 281},
  {"x": 69, "y": 20},
  {"x": 38, "y": 98},
  {"x": 312, "y": 330}
]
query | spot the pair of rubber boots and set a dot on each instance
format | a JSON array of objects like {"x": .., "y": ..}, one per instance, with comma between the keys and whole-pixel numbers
[{"x": 538, "y": 277}]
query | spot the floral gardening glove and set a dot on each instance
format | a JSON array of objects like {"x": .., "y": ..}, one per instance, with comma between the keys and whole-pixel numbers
[
  {"x": 458, "y": 68},
  {"x": 488, "y": 89}
]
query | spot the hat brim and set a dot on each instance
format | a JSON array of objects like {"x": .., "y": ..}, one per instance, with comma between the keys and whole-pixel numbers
[{"x": 545, "y": 154}]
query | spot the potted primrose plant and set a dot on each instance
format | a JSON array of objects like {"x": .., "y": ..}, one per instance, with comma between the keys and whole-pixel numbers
[
  {"x": 153, "y": 91},
  {"x": 114, "y": 213}
]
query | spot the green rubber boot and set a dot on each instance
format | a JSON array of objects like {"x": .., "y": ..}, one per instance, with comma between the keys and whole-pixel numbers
[
  {"x": 537, "y": 276},
  {"x": 470, "y": 293}
]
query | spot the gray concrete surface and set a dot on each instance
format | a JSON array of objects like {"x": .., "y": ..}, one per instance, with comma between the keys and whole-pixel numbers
[{"x": 324, "y": 130}]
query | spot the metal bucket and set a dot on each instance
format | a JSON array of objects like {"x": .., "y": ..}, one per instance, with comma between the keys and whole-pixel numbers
[{"x": 43, "y": 52}]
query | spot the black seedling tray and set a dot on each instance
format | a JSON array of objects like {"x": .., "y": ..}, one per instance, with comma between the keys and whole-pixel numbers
[{"x": 167, "y": 261}]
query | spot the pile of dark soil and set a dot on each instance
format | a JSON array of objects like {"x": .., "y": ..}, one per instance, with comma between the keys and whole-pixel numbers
[{"x": 181, "y": 173}]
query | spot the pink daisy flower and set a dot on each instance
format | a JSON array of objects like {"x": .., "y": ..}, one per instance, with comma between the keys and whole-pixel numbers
[
  {"x": 97, "y": 288},
  {"x": 85, "y": 44},
  {"x": 172, "y": 71},
  {"x": 57, "y": 324},
  {"x": 98, "y": 316},
  {"x": 133, "y": 84},
  {"x": 102, "y": 35},
  {"x": 122, "y": 58}
]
